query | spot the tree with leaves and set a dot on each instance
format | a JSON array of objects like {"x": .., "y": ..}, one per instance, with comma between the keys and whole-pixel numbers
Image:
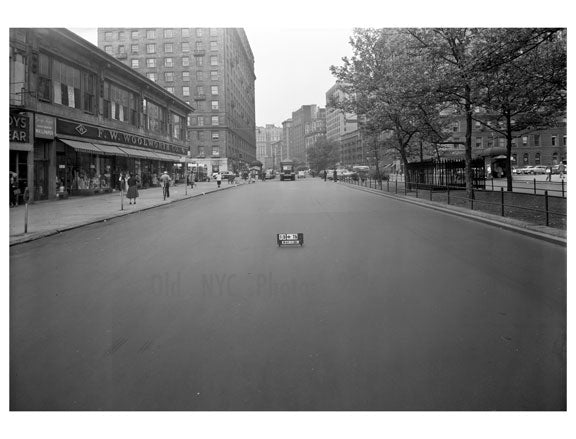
[
  {"x": 523, "y": 84},
  {"x": 323, "y": 155}
]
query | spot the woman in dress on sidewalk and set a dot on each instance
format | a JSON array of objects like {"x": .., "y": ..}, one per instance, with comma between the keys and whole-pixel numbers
[{"x": 132, "y": 189}]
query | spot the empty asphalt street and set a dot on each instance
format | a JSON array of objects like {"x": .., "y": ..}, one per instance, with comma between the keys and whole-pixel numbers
[{"x": 193, "y": 306}]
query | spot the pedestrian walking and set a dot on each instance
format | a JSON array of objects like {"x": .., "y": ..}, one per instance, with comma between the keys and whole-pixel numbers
[
  {"x": 335, "y": 175},
  {"x": 218, "y": 179},
  {"x": 325, "y": 175},
  {"x": 191, "y": 180},
  {"x": 123, "y": 181},
  {"x": 548, "y": 173},
  {"x": 165, "y": 181},
  {"x": 14, "y": 190},
  {"x": 132, "y": 193},
  {"x": 561, "y": 170}
]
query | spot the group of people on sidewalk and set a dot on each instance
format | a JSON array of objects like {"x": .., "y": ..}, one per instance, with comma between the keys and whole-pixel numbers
[{"x": 129, "y": 184}]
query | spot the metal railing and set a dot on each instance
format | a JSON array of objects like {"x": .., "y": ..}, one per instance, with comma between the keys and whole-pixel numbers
[{"x": 537, "y": 208}]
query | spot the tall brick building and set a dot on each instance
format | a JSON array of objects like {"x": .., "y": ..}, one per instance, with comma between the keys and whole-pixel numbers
[{"x": 212, "y": 69}]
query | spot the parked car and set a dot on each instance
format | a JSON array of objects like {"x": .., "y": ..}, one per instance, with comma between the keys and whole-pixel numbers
[
  {"x": 525, "y": 170},
  {"x": 539, "y": 169}
]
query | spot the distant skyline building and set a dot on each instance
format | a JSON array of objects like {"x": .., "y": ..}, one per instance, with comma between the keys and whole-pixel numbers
[
  {"x": 286, "y": 139},
  {"x": 305, "y": 116},
  {"x": 265, "y": 138},
  {"x": 212, "y": 69}
]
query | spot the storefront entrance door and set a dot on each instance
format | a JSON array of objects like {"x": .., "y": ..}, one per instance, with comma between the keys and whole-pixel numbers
[{"x": 40, "y": 179}]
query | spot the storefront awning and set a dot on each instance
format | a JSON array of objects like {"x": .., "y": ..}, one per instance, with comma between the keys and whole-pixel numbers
[
  {"x": 131, "y": 152},
  {"x": 82, "y": 146},
  {"x": 111, "y": 150},
  {"x": 169, "y": 157}
]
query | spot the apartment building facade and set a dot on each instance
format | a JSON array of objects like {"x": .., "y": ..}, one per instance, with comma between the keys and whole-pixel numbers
[
  {"x": 79, "y": 118},
  {"x": 212, "y": 69},
  {"x": 266, "y": 138},
  {"x": 305, "y": 116}
]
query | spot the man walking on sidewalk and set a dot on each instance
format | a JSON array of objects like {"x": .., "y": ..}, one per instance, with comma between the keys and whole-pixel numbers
[
  {"x": 219, "y": 179},
  {"x": 165, "y": 180}
]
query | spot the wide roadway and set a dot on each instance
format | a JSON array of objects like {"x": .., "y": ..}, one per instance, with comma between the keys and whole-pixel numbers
[{"x": 193, "y": 306}]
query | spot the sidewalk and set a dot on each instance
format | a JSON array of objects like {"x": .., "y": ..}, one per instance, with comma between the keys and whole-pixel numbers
[{"x": 54, "y": 216}]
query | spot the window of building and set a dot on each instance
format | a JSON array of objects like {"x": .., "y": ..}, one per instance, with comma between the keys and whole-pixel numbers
[
  {"x": 134, "y": 48},
  {"x": 501, "y": 141},
  {"x": 215, "y": 150},
  {"x": 553, "y": 140},
  {"x": 155, "y": 117},
  {"x": 178, "y": 127},
  {"x": 214, "y": 60},
  {"x": 199, "y": 75},
  {"x": 122, "y": 49},
  {"x": 199, "y": 45},
  {"x": 564, "y": 140},
  {"x": 119, "y": 104},
  {"x": 186, "y": 76},
  {"x": 170, "y": 89},
  {"x": 200, "y": 90},
  {"x": 536, "y": 139},
  {"x": 525, "y": 158},
  {"x": 108, "y": 36},
  {"x": 555, "y": 158},
  {"x": 168, "y": 33},
  {"x": 514, "y": 158},
  {"x": 109, "y": 50},
  {"x": 151, "y": 48},
  {"x": 201, "y": 151},
  {"x": 169, "y": 76},
  {"x": 213, "y": 45},
  {"x": 199, "y": 61},
  {"x": 150, "y": 62},
  {"x": 199, "y": 32},
  {"x": 186, "y": 90},
  {"x": 213, "y": 32},
  {"x": 66, "y": 85},
  {"x": 214, "y": 89},
  {"x": 215, "y": 135},
  {"x": 185, "y": 61},
  {"x": 135, "y": 63},
  {"x": 185, "y": 32},
  {"x": 214, "y": 75},
  {"x": 152, "y": 76},
  {"x": 478, "y": 142},
  {"x": 121, "y": 36},
  {"x": 477, "y": 124},
  {"x": 215, "y": 105},
  {"x": 89, "y": 92},
  {"x": 200, "y": 135},
  {"x": 135, "y": 35},
  {"x": 185, "y": 47},
  {"x": 455, "y": 127},
  {"x": 168, "y": 62},
  {"x": 200, "y": 106},
  {"x": 168, "y": 47},
  {"x": 200, "y": 120},
  {"x": 524, "y": 140},
  {"x": 151, "y": 34},
  {"x": 215, "y": 120},
  {"x": 537, "y": 158}
]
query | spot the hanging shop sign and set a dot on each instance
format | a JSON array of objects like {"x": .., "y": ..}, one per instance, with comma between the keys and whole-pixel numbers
[
  {"x": 109, "y": 135},
  {"x": 44, "y": 126},
  {"x": 19, "y": 128}
]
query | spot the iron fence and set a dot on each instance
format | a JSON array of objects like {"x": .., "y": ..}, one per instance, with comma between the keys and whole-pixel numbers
[{"x": 536, "y": 206}]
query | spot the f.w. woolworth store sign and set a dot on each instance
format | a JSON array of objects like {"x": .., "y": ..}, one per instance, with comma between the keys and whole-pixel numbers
[{"x": 93, "y": 133}]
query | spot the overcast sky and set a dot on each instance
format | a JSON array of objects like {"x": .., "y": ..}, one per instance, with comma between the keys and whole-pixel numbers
[{"x": 292, "y": 66}]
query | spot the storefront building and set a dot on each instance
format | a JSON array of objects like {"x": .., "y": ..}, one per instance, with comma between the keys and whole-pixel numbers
[{"x": 79, "y": 118}]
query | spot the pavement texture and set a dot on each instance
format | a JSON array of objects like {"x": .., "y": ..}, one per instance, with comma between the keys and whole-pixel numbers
[
  {"x": 51, "y": 217},
  {"x": 47, "y": 218}
]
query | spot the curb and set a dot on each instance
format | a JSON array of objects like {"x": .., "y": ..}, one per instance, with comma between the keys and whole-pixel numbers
[
  {"x": 119, "y": 214},
  {"x": 510, "y": 224}
]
